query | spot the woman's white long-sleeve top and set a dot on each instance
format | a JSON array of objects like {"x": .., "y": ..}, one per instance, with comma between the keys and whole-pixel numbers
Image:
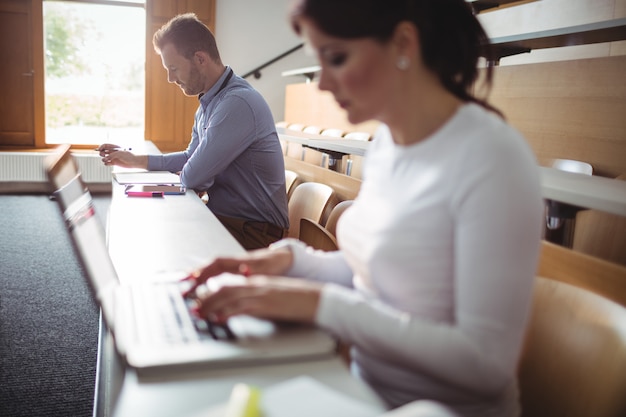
[{"x": 433, "y": 283}]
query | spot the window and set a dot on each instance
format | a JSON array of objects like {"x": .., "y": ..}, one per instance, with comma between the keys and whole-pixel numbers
[{"x": 95, "y": 71}]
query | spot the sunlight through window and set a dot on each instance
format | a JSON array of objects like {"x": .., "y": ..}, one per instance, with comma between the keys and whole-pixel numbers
[{"x": 94, "y": 58}]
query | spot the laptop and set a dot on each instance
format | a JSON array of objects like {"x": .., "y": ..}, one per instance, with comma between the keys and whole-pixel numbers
[{"x": 150, "y": 322}]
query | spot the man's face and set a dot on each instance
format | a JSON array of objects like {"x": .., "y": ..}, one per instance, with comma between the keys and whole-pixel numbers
[{"x": 182, "y": 71}]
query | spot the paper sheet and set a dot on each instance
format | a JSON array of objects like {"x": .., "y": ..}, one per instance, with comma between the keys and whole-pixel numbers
[
  {"x": 149, "y": 177},
  {"x": 304, "y": 396}
]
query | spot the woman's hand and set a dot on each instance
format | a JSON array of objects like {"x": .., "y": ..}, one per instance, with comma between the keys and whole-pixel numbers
[
  {"x": 275, "y": 298},
  {"x": 261, "y": 261}
]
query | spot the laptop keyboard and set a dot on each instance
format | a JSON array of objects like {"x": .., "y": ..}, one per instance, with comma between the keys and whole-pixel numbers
[{"x": 167, "y": 318}]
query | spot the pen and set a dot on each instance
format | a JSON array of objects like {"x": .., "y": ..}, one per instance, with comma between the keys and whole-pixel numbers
[
  {"x": 145, "y": 193},
  {"x": 112, "y": 149}
]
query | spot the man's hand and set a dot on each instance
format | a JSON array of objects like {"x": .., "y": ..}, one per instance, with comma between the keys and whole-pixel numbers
[{"x": 114, "y": 155}]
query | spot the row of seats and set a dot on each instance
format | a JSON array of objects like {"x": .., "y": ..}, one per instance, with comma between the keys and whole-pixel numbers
[
  {"x": 349, "y": 164},
  {"x": 313, "y": 211},
  {"x": 331, "y": 132}
]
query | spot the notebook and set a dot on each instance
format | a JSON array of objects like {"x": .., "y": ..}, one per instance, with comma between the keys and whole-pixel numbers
[
  {"x": 146, "y": 177},
  {"x": 151, "y": 326}
]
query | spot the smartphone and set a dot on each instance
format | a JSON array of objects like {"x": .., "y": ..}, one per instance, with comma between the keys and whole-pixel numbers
[{"x": 165, "y": 189}]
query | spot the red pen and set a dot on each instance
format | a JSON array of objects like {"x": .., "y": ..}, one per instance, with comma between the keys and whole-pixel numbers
[{"x": 145, "y": 193}]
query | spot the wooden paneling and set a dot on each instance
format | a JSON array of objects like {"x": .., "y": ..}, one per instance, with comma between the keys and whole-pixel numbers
[
  {"x": 569, "y": 109},
  {"x": 305, "y": 103},
  {"x": 169, "y": 113},
  {"x": 204, "y": 9},
  {"x": 164, "y": 9},
  {"x": 17, "y": 123}
]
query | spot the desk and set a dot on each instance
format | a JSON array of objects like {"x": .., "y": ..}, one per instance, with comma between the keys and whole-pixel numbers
[
  {"x": 324, "y": 143},
  {"x": 585, "y": 191},
  {"x": 152, "y": 238}
]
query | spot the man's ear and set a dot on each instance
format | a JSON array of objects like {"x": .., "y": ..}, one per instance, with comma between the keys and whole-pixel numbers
[{"x": 200, "y": 57}]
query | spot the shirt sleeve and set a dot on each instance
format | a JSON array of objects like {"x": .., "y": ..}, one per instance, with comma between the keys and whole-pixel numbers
[
  {"x": 175, "y": 161},
  {"x": 316, "y": 265}
]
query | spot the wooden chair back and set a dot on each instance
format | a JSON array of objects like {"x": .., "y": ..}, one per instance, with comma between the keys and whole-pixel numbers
[
  {"x": 291, "y": 180},
  {"x": 295, "y": 150},
  {"x": 332, "y": 132},
  {"x": 309, "y": 200},
  {"x": 335, "y": 214},
  {"x": 605, "y": 278},
  {"x": 365, "y": 136},
  {"x": 574, "y": 358},
  {"x": 296, "y": 126},
  {"x": 316, "y": 235},
  {"x": 312, "y": 129}
]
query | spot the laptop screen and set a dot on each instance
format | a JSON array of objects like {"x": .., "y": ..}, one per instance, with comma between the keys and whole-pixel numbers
[{"x": 84, "y": 228}]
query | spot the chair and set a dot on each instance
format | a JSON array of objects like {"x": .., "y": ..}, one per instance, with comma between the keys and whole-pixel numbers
[
  {"x": 333, "y": 133},
  {"x": 601, "y": 234},
  {"x": 313, "y": 130},
  {"x": 283, "y": 143},
  {"x": 316, "y": 235},
  {"x": 309, "y": 200},
  {"x": 582, "y": 270},
  {"x": 560, "y": 217},
  {"x": 291, "y": 180},
  {"x": 335, "y": 214},
  {"x": 358, "y": 136},
  {"x": 571, "y": 165},
  {"x": 295, "y": 126},
  {"x": 574, "y": 358},
  {"x": 295, "y": 150}
]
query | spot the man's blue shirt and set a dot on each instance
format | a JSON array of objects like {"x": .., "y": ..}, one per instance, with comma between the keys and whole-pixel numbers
[{"x": 234, "y": 155}]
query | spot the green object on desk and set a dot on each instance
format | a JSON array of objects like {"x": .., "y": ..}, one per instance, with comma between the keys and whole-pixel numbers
[{"x": 244, "y": 401}]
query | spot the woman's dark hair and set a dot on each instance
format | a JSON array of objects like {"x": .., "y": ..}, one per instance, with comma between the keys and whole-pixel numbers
[
  {"x": 188, "y": 35},
  {"x": 451, "y": 37}
]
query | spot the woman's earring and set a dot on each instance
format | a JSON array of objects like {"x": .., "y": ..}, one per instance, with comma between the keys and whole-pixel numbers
[{"x": 403, "y": 63}]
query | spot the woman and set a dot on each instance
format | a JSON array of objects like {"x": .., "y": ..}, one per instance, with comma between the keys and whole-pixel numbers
[{"x": 432, "y": 285}]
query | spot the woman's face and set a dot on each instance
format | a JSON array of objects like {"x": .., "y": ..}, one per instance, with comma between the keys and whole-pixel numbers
[{"x": 358, "y": 72}]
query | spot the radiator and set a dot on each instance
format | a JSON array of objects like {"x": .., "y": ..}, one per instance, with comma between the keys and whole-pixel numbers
[{"x": 29, "y": 167}]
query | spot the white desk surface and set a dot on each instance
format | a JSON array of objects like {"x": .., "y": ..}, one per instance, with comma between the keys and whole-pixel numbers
[
  {"x": 586, "y": 191},
  {"x": 347, "y": 146},
  {"x": 158, "y": 237}
]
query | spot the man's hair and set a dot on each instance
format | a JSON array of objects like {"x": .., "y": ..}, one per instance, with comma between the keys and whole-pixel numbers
[{"x": 188, "y": 35}]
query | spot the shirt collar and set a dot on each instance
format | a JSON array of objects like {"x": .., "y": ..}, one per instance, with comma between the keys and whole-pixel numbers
[{"x": 215, "y": 88}]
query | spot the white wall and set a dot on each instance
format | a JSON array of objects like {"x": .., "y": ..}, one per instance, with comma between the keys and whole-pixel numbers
[{"x": 252, "y": 32}]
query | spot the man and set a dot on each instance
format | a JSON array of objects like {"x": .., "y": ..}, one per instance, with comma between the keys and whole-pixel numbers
[{"x": 234, "y": 154}]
